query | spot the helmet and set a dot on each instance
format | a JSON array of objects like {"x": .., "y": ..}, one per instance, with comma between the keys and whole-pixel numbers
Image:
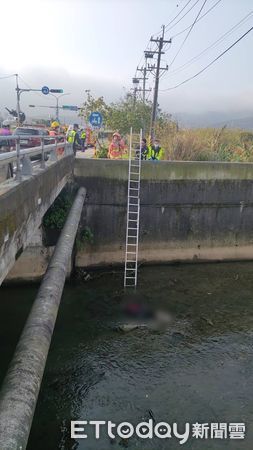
[
  {"x": 55, "y": 124},
  {"x": 116, "y": 135}
]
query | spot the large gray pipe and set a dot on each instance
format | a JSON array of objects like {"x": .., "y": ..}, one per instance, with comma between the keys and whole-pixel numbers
[{"x": 21, "y": 386}]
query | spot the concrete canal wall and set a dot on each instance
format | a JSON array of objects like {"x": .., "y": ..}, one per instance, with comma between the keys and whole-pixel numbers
[{"x": 190, "y": 211}]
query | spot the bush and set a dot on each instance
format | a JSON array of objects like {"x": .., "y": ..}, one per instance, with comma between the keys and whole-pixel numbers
[
  {"x": 57, "y": 214},
  {"x": 101, "y": 152}
]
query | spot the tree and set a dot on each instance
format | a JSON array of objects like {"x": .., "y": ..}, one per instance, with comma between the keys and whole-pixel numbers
[
  {"x": 93, "y": 104},
  {"x": 126, "y": 113}
]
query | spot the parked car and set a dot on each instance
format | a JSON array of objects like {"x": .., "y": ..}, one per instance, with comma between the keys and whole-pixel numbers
[{"x": 36, "y": 133}]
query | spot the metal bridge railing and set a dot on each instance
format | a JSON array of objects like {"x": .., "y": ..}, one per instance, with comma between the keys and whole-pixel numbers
[{"x": 22, "y": 157}]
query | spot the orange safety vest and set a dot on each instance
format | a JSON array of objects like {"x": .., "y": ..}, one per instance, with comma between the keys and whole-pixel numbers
[
  {"x": 115, "y": 151},
  {"x": 60, "y": 150}
]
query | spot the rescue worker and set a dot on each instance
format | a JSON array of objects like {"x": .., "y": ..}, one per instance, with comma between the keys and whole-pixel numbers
[
  {"x": 55, "y": 131},
  {"x": 74, "y": 139},
  {"x": 155, "y": 152},
  {"x": 116, "y": 149},
  {"x": 144, "y": 149},
  {"x": 83, "y": 139}
]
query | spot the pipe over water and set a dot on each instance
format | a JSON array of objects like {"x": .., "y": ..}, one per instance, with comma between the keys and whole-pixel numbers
[{"x": 19, "y": 393}]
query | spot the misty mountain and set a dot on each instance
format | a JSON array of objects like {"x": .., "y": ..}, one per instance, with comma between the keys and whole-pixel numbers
[{"x": 216, "y": 120}]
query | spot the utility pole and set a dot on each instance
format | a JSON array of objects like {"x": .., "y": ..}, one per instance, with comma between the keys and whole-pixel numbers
[
  {"x": 57, "y": 107},
  {"x": 160, "y": 41},
  {"x": 18, "y": 90},
  {"x": 144, "y": 70},
  {"x": 135, "y": 89}
]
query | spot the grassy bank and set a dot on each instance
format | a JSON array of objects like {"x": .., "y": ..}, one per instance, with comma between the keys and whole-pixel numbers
[{"x": 206, "y": 144}]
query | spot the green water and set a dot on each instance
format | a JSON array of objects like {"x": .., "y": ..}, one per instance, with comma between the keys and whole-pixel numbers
[{"x": 198, "y": 370}]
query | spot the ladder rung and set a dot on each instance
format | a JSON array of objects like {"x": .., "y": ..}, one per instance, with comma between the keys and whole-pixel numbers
[
  {"x": 132, "y": 228},
  {"x": 130, "y": 261},
  {"x": 134, "y": 196},
  {"x": 134, "y": 181},
  {"x": 132, "y": 245},
  {"x": 130, "y": 278},
  {"x": 132, "y": 253},
  {"x": 134, "y": 189},
  {"x": 132, "y": 220},
  {"x": 133, "y": 204}
]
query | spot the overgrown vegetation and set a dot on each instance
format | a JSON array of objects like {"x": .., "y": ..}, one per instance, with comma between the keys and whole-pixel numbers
[
  {"x": 85, "y": 236},
  {"x": 57, "y": 214},
  {"x": 204, "y": 144},
  {"x": 101, "y": 152},
  {"x": 124, "y": 114}
]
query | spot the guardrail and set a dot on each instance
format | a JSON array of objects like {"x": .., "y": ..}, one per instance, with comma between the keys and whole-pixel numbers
[{"x": 22, "y": 157}]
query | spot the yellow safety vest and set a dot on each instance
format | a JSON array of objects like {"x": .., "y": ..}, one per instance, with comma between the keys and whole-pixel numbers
[
  {"x": 155, "y": 154},
  {"x": 83, "y": 135},
  {"x": 71, "y": 137}
]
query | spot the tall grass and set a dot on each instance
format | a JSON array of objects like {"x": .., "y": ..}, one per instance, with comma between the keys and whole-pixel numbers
[{"x": 206, "y": 144}]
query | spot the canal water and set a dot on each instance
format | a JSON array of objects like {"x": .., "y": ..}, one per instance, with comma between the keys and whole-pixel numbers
[{"x": 199, "y": 369}]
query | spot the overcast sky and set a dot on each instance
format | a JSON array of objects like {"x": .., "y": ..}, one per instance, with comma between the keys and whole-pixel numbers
[{"x": 97, "y": 44}]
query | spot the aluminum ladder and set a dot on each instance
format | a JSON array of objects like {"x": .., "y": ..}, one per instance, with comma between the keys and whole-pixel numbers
[{"x": 133, "y": 210}]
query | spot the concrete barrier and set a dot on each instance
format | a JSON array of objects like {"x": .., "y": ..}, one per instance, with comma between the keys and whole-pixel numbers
[{"x": 190, "y": 211}]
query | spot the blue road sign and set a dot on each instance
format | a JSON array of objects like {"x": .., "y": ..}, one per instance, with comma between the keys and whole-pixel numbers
[
  {"x": 45, "y": 90},
  {"x": 96, "y": 119}
]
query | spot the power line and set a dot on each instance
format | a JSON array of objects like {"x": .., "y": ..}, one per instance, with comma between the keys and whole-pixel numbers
[
  {"x": 201, "y": 17},
  {"x": 166, "y": 26},
  {"x": 219, "y": 40},
  {"x": 172, "y": 26},
  {"x": 29, "y": 87},
  {"x": 175, "y": 16},
  {"x": 148, "y": 45},
  {"x": 7, "y": 76},
  {"x": 210, "y": 64},
  {"x": 186, "y": 37}
]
